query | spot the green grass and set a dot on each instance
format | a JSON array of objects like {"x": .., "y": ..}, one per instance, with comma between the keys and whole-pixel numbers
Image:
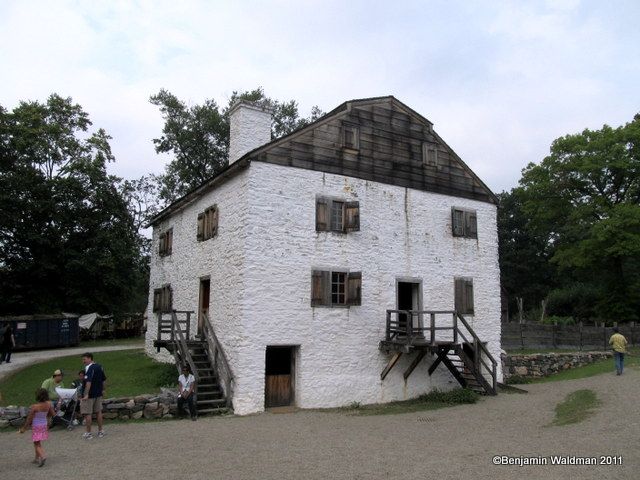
[
  {"x": 576, "y": 407},
  {"x": 597, "y": 368},
  {"x": 430, "y": 401},
  {"x": 129, "y": 372},
  {"x": 89, "y": 344}
]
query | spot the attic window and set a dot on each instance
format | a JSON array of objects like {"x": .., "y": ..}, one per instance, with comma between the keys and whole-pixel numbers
[
  {"x": 464, "y": 223},
  {"x": 350, "y": 136},
  {"x": 429, "y": 155},
  {"x": 336, "y": 215}
]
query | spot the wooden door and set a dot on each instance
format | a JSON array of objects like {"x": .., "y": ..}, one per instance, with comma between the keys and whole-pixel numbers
[
  {"x": 279, "y": 376},
  {"x": 203, "y": 303}
]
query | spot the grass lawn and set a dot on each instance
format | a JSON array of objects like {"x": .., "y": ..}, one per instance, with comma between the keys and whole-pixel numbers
[
  {"x": 429, "y": 401},
  {"x": 576, "y": 407},
  {"x": 89, "y": 344},
  {"x": 129, "y": 372},
  {"x": 596, "y": 368}
]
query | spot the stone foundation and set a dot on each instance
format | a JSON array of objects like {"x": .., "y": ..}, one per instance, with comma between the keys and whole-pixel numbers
[
  {"x": 543, "y": 364},
  {"x": 164, "y": 405}
]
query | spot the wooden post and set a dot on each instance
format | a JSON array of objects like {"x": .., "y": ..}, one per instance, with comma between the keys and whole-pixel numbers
[
  {"x": 520, "y": 308},
  {"x": 433, "y": 328},
  {"x": 521, "y": 336},
  {"x": 159, "y": 318},
  {"x": 553, "y": 333},
  {"x": 543, "y": 304},
  {"x": 581, "y": 342},
  {"x": 604, "y": 335},
  {"x": 174, "y": 320},
  {"x": 388, "y": 337},
  {"x": 633, "y": 328},
  {"x": 455, "y": 328},
  {"x": 188, "y": 325},
  {"x": 409, "y": 325}
]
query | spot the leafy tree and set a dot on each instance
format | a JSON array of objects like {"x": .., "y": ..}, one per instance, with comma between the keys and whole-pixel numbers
[
  {"x": 525, "y": 270},
  {"x": 584, "y": 199},
  {"x": 198, "y": 136},
  {"x": 67, "y": 239}
]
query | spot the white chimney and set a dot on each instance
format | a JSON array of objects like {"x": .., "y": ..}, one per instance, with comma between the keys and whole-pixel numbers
[{"x": 250, "y": 128}]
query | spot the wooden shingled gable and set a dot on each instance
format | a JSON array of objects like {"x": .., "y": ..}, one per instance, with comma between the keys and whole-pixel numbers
[{"x": 391, "y": 139}]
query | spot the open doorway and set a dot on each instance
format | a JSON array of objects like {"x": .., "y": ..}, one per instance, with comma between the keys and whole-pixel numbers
[
  {"x": 279, "y": 376},
  {"x": 203, "y": 303},
  {"x": 409, "y": 297}
]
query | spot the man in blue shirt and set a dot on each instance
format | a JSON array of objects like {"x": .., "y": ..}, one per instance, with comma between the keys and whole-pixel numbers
[{"x": 91, "y": 401}]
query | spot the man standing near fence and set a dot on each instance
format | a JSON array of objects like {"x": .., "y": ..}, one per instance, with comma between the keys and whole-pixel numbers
[{"x": 619, "y": 344}]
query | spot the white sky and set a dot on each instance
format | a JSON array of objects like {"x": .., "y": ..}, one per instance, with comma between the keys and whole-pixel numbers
[{"x": 499, "y": 79}]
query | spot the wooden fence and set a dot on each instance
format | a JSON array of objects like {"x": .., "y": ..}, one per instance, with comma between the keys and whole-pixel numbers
[{"x": 580, "y": 337}]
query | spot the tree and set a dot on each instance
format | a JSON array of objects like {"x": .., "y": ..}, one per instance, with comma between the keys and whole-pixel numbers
[
  {"x": 67, "y": 239},
  {"x": 584, "y": 199},
  {"x": 198, "y": 136},
  {"x": 525, "y": 270}
]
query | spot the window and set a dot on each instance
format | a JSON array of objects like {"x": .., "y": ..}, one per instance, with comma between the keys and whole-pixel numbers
[
  {"x": 163, "y": 299},
  {"x": 335, "y": 288},
  {"x": 464, "y": 223},
  {"x": 337, "y": 215},
  {"x": 429, "y": 155},
  {"x": 464, "y": 295},
  {"x": 350, "y": 136},
  {"x": 208, "y": 223},
  {"x": 166, "y": 243}
]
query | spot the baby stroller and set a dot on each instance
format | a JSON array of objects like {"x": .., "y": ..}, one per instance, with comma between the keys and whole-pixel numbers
[{"x": 67, "y": 405}]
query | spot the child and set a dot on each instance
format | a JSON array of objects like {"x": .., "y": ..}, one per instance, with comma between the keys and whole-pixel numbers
[{"x": 38, "y": 419}]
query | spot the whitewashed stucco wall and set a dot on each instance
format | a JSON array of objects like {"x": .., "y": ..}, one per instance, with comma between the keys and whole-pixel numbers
[
  {"x": 260, "y": 267},
  {"x": 222, "y": 258},
  {"x": 403, "y": 233}
]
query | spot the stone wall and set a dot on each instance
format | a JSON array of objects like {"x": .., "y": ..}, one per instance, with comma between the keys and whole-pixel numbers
[
  {"x": 123, "y": 408},
  {"x": 543, "y": 364}
]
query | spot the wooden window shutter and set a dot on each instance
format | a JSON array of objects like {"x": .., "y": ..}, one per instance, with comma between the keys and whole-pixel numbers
[
  {"x": 320, "y": 288},
  {"x": 468, "y": 294},
  {"x": 157, "y": 299},
  {"x": 322, "y": 215},
  {"x": 200, "y": 227},
  {"x": 459, "y": 295},
  {"x": 457, "y": 222},
  {"x": 471, "y": 225},
  {"x": 352, "y": 216},
  {"x": 162, "y": 247},
  {"x": 354, "y": 288},
  {"x": 214, "y": 221},
  {"x": 169, "y": 242}
]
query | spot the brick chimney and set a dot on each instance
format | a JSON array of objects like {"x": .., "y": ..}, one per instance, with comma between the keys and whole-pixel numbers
[{"x": 250, "y": 128}]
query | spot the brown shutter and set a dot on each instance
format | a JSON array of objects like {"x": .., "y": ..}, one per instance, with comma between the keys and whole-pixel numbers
[
  {"x": 352, "y": 216},
  {"x": 322, "y": 215},
  {"x": 320, "y": 288},
  {"x": 214, "y": 221},
  {"x": 354, "y": 288},
  {"x": 457, "y": 222},
  {"x": 471, "y": 225},
  {"x": 169, "y": 241},
  {"x": 157, "y": 299},
  {"x": 468, "y": 294},
  {"x": 459, "y": 295},
  {"x": 162, "y": 244},
  {"x": 200, "y": 227}
]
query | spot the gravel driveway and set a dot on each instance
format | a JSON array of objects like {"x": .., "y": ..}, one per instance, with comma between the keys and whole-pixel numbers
[{"x": 453, "y": 443}]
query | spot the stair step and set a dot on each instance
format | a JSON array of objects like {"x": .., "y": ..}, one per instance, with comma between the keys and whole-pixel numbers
[
  {"x": 213, "y": 410},
  {"x": 211, "y": 403}
]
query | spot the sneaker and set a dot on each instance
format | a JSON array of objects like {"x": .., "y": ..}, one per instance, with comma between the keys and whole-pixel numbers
[
  {"x": 101, "y": 434},
  {"x": 87, "y": 436}
]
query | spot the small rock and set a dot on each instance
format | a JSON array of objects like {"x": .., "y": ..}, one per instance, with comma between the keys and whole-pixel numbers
[
  {"x": 130, "y": 404},
  {"x": 136, "y": 415}
]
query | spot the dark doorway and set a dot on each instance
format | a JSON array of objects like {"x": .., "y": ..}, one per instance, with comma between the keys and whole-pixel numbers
[
  {"x": 409, "y": 299},
  {"x": 203, "y": 302},
  {"x": 279, "y": 376}
]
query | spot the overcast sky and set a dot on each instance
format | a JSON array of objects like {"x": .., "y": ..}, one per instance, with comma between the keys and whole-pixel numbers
[{"x": 500, "y": 80}]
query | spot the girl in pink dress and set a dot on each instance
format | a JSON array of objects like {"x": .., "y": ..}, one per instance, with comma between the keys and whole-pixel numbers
[{"x": 38, "y": 418}]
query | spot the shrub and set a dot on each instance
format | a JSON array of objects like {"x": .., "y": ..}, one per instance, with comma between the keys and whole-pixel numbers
[
  {"x": 451, "y": 397},
  {"x": 167, "y": 376}
]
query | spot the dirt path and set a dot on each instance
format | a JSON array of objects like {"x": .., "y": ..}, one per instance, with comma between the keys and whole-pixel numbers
[
  {"x": 453, "y": 443},
  {"x": 22, "y": 359}
]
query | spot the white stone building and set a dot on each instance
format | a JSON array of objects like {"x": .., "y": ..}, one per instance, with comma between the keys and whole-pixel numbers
[{"x": 300, "y": 246}]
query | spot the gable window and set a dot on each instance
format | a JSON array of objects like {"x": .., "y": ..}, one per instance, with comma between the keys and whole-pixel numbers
[
  {"x": 208, "y": 223},
  {"x": 429, "y": 155},
  {"x": 335, "y": 288},
  {"x": 464, "y": 295},
  {"x": 464, "y": 223},
  {"x": 163, "y": 299},
  {"x": 350, "y": 136},
  {"x": 166, "y": 243},
  {"x": 337, "y": 215}
]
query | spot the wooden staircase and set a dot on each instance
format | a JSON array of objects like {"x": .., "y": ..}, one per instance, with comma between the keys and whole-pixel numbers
[
  {"x": 452, "y": 341},
  {"x": 202, "y": 355}
]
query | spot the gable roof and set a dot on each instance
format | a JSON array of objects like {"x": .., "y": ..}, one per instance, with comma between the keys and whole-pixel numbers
[{"x": 392, "y": 152}]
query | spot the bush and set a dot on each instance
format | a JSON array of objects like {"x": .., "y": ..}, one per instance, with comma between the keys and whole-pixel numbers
[
  {"x": 451, "y": 397},
  {"x": 553, "y": 319},
  {"x": 167, "y": 376}
]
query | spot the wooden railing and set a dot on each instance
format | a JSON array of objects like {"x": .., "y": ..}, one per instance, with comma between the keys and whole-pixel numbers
[
  {"x": 178, "y": 330},
  {"x": 408, "y": 327},
  {"x": 218, "y": 358}
]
